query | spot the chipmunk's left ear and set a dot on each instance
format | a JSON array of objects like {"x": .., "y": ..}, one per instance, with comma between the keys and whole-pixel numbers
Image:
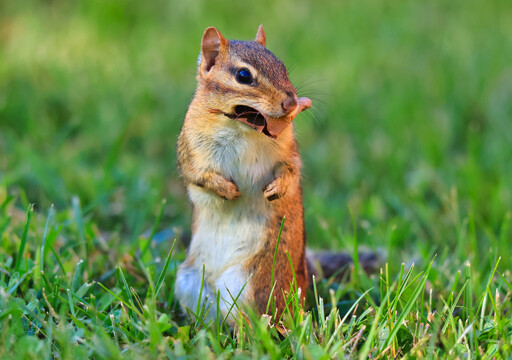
[
  {"x": 211, "y": 45},
  {"x": 261, "y": 38}
]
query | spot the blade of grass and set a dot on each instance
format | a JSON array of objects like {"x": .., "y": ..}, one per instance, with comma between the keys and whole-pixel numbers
[
  {"x": 355, "y": 254},
  {"x": 70, "y": 301},
  {"x": 51, "y": 214},
  {"x": 126, "y": 288},
  {"x": 452, "y": 290},
  {"x": 77, "y": 212},
  {"x": 468, "y": 294},
  {"x": 23, "y": 242},
  {"x": 4, "y": 224},
  {"x": 274, "y": 265},
  {"x": 161, "y": 277},
  {"x": 155, "y": 228},
  {"x": 20, "y": 280},
  {"x": 6, "y": 202},
  {"x": 59, "y": 261},
  {"x": 200, "y": 298},
  {"x": 75, "y": 284},
  {"x": 488, "y": 285},
  {"x": 46, "y": 281},
  {"x": 452, "y": 308}
]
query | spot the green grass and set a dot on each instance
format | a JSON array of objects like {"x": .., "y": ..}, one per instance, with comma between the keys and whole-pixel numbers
[{"x": 407, "y": 152}]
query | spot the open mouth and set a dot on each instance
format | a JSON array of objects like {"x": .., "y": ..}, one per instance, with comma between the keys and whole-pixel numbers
[
  {"x": 268, "y": 125},
  {"x": 249, "y": 115}
]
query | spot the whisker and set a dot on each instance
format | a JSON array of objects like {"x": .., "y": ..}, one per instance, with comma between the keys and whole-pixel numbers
[
  {"x": 290, "y": 68},
  {"x": 309, "y": 81},
  {"x": 321, "y": 101},
  {"x": 313, "y": 116}
]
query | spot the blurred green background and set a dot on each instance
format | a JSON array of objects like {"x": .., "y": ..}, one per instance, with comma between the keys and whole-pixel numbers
[{"x": 410, "y": 136}]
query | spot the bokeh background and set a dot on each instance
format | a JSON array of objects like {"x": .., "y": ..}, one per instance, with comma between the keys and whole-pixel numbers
[{"x": 408, "y": 148}]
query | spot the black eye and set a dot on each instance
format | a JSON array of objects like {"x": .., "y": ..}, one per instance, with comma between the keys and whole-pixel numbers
[{"x": 243, "y": 76}]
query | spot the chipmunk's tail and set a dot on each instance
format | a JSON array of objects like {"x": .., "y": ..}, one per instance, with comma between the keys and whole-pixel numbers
[{"x": 324, "y": 265}]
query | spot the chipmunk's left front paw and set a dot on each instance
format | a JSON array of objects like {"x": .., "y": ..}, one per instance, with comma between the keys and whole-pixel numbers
[{"x": 276, "y": 189}]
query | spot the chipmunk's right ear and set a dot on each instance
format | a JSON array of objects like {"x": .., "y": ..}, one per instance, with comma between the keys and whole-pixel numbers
[
  {"x": 261, "y": 38},
  {"x": 212, "y": 44}
]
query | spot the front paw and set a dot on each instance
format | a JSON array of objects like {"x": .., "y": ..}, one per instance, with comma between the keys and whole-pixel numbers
[
  {"x": 275, "y": 190},
  {"x": 228, "y": 190}
]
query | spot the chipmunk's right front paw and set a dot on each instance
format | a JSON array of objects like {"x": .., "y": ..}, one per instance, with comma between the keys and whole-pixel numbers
[
  {"x": 228, "y": 190},
  {"x": 219, "y": 185},
  {"x": 223, "y": 187}
]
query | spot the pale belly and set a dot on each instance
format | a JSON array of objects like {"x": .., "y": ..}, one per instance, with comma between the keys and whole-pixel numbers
[{"x": 227, "y": 233}]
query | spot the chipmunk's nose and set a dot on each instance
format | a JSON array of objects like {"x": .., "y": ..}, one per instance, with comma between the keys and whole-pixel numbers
[{"x": 289, "y": 104}]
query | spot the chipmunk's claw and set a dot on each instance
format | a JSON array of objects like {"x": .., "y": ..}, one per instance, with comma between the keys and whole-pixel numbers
[
  {"x": 274, "y": 190},
  {"x": 230, "y": 191},
  {"x": 224, "y": 188}
]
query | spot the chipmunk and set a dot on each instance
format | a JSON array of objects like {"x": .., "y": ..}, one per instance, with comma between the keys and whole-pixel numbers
[{"x": 238, "y": 158}]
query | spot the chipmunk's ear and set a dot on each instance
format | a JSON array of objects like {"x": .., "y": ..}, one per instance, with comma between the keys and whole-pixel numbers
[
  {"x": 261, "y": 38},
  {"x": 212, "y": 44}
]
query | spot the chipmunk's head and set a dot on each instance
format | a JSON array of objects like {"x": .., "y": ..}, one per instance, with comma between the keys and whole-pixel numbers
[{"x": 246, "y": 82}]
